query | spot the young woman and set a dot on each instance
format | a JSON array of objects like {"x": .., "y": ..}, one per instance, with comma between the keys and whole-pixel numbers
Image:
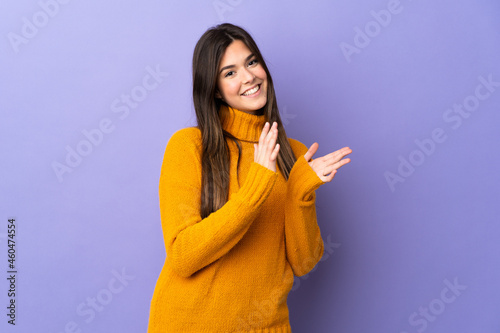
[{"x": 237, "y": 199}]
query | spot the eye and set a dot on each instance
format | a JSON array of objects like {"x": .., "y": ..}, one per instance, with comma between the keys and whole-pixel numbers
[
  {"x": 228, "y": 74},
  {"x": 253, "y": 62}
]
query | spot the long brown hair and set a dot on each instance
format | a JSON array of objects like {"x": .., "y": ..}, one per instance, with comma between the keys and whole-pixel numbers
[{"x": 215, "y": 151}]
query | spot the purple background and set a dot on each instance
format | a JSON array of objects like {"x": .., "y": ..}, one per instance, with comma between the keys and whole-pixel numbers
[{"x": 392, "y": 251}]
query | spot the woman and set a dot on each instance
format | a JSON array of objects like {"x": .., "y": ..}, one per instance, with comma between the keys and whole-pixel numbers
[{"x": 237, "y": 199}]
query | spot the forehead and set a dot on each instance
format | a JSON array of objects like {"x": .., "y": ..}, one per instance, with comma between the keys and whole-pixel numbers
[{"x": 235, "y": 53}]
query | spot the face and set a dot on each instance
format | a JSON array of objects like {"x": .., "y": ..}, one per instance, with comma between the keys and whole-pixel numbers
[{"x": 242, "y": 81}]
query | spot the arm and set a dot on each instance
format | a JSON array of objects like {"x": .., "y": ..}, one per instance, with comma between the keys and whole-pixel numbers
[
  {"x": 191, "y": 242},
  {"x": 304, "y": 245}
]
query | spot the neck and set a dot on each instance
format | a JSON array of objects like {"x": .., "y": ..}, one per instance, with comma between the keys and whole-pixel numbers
[
  {"x": 243, "y": 125},
  {"x": 258, "y": 112}
]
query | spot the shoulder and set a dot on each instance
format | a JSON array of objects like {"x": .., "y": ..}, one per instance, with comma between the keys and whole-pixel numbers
[
  {"x": 188, "y": 135},
  {"x": 185, "y": 140},
  {"x": 298, "y": 147}
]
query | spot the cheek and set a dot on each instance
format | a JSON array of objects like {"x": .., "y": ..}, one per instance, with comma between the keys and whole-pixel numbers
[
  {"x": 222, "y": 89},
  {"x": 230, "y": 88},
  {"x": 262, "y": 73},
  {"x": 263, "y": 76}
]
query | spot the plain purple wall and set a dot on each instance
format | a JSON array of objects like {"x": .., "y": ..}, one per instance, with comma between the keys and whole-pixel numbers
[{"x": 411, "y": 225}]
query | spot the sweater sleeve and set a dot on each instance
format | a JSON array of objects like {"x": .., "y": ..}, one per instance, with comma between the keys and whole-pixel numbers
[
  {"x": 191, "y": 242},
  {"x": 304, "y": 245}
]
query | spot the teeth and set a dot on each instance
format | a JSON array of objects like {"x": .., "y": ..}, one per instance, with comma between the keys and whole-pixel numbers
[{"x": 251, "y": 91}]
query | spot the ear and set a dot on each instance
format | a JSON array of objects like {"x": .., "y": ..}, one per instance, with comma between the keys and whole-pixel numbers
[{"x": 217, "y": 94}]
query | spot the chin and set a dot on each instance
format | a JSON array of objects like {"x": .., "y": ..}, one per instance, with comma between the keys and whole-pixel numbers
[{"x": 255, "y": 106}]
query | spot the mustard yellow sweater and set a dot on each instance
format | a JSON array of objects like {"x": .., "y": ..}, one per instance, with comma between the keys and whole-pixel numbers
[{"x": 232, "y": 271}]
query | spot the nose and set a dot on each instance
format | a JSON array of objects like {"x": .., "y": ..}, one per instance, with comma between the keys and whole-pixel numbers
[{"x": 247, "y": 76}]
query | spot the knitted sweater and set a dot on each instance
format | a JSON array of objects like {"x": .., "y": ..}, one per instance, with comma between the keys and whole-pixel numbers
[{"x": 233, "y": 270}]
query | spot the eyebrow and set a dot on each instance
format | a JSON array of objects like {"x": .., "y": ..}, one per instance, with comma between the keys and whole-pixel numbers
[{"x": 231, "y": 66}]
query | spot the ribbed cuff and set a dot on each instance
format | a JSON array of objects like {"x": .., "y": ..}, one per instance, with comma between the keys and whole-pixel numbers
[
  {"x": 258, "y": 185},
  {"x": 303, "y": 181}
]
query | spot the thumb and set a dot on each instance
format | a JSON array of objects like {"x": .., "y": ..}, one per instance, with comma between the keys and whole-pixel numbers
[{"x": 312, "y": 150}]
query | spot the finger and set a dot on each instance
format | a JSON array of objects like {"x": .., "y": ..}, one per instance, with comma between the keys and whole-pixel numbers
[
  {"x": 328, "y": 169},
  {"x": 275, "y": 152},
  {"x": 267, "y": 142},
  {"x": 272, "y": 131},
  {"x": 341, "y": 163},
  {"x": 271, "y": 138},
  {"x": 330, "y": 177},
  {"x": 263, "y": 134},
  {"x": 337, "y": 155},
  {"x": 328, "y": 174},
  {"x": 333, "y": 160},
  {"x": 341, "y": 151},
  {"x": 312, "y": 150}
]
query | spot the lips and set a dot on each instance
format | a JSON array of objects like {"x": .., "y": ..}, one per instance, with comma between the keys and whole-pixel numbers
[{"x": 251, "y": 91}]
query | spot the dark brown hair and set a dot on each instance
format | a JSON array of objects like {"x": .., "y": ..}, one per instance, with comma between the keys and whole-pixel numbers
[{"x": 215, "y": 151}]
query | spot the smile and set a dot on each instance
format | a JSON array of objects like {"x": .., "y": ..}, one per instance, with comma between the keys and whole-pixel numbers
[{"x": 251, "y": 91}]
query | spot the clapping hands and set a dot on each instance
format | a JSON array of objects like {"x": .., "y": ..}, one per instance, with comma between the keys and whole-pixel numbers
[
  {"x": 326, "y": 166},
  {"x": 266, "y": 152}
]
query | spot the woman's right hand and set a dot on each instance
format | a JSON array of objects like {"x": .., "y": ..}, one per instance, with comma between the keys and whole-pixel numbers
[{"x": 266, "y": 151}]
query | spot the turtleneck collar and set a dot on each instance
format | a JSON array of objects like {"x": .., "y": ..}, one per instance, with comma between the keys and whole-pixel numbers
[{"x": 244, "y": 126}]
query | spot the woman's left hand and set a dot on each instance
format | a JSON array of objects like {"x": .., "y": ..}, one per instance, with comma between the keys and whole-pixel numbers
[{"x": 326, "y": 167}]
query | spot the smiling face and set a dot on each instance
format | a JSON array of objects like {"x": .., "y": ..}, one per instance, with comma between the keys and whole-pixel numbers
[{"x": 242, "y": 81}]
